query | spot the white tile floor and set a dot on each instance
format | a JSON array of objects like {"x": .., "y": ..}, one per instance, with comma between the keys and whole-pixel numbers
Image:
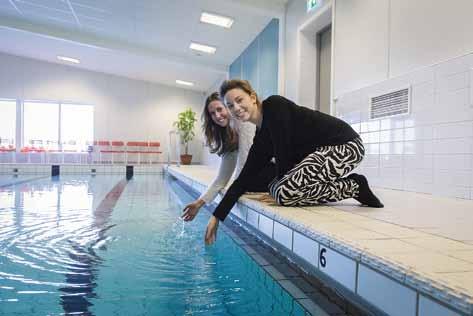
[{"x": 431, "y": 237}]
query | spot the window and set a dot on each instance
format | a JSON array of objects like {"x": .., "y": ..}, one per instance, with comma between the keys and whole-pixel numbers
[
  {"x": 7, "y": 123},
  {"x": 77, "y": 126},
  {"x": 41, "y": 125}
]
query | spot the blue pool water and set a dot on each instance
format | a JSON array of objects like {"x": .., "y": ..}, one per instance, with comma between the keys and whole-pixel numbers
[{"x": 83, "y": 245}]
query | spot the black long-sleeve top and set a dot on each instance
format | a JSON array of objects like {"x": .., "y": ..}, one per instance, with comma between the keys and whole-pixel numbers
[{"x": 289, "y": 133}]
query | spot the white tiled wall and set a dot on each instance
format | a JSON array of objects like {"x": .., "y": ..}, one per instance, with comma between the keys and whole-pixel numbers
[
  {"x": 370, "y": 284},
  {"x": 266, "y": 225},
  {"x": 431, "y": 149},
  {"x": 338, "y": 267},
  {"x": 283, "y": 235},
  {"x": 306, "y": 248}
]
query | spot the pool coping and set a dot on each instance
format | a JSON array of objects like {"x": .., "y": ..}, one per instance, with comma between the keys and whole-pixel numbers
[{"x": 418, "y": 286}]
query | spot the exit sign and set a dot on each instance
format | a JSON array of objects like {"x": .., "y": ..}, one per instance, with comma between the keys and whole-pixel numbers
[{"x": 312, "y": 4}]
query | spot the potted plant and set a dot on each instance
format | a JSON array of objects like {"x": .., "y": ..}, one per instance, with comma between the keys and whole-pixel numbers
[{"x": 185, "y": 126}]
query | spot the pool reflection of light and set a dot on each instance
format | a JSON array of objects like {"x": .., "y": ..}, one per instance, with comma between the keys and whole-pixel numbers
[{"x": 47, "y": 234}]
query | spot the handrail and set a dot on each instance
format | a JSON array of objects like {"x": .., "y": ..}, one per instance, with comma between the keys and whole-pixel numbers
[{"x": 178, "y": 147}]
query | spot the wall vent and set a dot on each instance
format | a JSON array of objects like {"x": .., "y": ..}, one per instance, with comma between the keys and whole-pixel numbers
[{"x": 390, "y": 104}]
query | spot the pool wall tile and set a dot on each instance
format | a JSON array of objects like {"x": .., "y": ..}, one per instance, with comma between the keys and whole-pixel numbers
[
  {"x": 275, "y": 274},
  {"x": 427, "y": 307},
  {"x": 240, "y": 211},
  {"x": 312, "y": 307},
  {"x": 292, "y": 289},
  {"x": 259, "y": 259},
  {"x": 252, "y": 218},
  {"x": 385, "y": 293},
  {"x": 306, "y": 248},
  {"x": 266, "y": 226},
  {"x": 283, "y": 235},
  {"x": 339, "y": 267}
]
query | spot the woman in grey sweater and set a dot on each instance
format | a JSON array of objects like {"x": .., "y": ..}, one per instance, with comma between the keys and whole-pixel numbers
[{"x": 231, "y": 140}]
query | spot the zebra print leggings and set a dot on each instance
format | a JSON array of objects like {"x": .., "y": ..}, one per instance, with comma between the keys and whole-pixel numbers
[{"x": 319, "y": 177}]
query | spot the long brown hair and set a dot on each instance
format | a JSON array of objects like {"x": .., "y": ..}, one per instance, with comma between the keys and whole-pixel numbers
[
  {"x": 244, "y": 85},
  {"x": 220, "y": 139}
]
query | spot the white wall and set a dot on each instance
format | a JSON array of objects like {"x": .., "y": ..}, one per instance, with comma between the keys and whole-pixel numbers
[
  {"x": 381, "y": 45},
  {"x": 360, "y": 49},
  {"x": 125, "y": 109},
  {"x": 380, "y": 39},
  {"x": 431, "y": 149}
]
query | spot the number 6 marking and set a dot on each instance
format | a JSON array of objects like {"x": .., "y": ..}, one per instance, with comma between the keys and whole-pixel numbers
[{"x": 323, "y": 260}]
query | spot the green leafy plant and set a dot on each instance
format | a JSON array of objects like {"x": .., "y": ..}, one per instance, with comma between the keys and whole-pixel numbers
[{"x": 185, "y": 125}]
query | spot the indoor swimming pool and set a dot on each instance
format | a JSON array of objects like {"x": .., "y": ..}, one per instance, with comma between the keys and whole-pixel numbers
[{"x": 101, "y": 245}]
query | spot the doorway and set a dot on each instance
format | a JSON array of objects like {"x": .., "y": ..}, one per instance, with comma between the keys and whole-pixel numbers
[{"x": 324, "y": 56}]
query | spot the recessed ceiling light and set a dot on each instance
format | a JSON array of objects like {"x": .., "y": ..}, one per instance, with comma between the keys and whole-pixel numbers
[
  {"x": 215, "y": 19},
  {"x": 203, "y": 48},
  {"x": 69, "y": 59},
  {"x": 184, "y": 83}
]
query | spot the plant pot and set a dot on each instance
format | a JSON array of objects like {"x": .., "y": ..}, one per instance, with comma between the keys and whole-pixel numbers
[{"x": 186, "y": 159}]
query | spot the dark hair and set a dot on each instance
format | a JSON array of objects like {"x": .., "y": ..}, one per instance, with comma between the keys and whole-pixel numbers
[
  {"x": 220, "y": 139},
  {"x": 244, "y": 85}
]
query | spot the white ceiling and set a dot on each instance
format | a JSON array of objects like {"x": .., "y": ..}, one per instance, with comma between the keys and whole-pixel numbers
[{"x": 142, "y": 39}]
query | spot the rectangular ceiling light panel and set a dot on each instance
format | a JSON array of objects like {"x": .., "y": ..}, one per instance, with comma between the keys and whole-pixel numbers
[
  {"x": 69, "y": 59},
  {"x": 216, "y": 19},
  {"x": 184, "y": 83},
  {"x": 203, "y": 48}
]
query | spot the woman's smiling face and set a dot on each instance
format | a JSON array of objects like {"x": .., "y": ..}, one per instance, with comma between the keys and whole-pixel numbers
[
  {"x": 219, "y": 113},
  {"x": 242, "y": 105}
]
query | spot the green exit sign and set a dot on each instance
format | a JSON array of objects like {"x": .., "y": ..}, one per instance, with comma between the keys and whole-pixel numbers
[{"x": 312, "y": 4}]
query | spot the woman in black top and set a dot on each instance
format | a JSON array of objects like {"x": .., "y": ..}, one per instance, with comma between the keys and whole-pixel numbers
[{"x": 314, "y": 152}]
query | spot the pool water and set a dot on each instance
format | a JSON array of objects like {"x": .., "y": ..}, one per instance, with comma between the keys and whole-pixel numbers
[{"x": 99, "y": 245}]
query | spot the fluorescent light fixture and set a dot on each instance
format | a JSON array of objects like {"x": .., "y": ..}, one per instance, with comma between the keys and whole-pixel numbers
[
  {"x": 69, "y": 59},
  {"x": 215, "y": 19},
  {"x": 184, "y": 83},
  {"x": 203, "y": 48}
]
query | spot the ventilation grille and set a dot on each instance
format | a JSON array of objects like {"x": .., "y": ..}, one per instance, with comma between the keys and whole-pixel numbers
[{"x": 390, "y": 104}]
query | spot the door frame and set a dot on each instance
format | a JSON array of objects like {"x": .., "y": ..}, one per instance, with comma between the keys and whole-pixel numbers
[{"x": 307, "y": 57}]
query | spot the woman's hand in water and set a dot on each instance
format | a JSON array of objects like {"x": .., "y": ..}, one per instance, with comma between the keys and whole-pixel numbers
[
  {"x": 211, "y": 232},
  {"x": 190, "y": 210}
]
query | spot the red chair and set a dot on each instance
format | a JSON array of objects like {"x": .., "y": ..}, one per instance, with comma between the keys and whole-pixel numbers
[
  {"x": 5, "y": 151},
  {"x": 154, "y": 150},
  {"x": 118, "y": 148},
  {"x": 135, "y": 148},
  {"x": 103, "y": 148}
]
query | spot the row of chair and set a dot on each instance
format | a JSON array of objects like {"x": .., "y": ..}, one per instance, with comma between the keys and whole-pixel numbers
[
  {"x": 120, "y": 152},
  {"x": 100, "y": 151}
]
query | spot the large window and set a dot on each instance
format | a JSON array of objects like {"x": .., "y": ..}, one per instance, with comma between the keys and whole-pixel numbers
[
  {"x": 72, "y": 130},
  {"x": 41, "y": 125},
  {"x": 77, "y": 126},
  {"x": 7, "y": 123}
]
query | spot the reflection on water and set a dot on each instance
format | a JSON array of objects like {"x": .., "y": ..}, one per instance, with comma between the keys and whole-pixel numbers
[
  {"x": 70, "y": 247},
  {"x": 47, "y": 238}
]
